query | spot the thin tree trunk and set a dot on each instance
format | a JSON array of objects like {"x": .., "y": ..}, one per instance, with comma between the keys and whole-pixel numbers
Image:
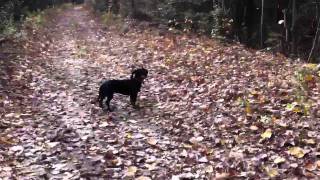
[
  {"x": 315, "y": 41},
  {"x": 293, "y": 48},
  {"x": 285, "y": 18},
  {"x": 261, "y": 24},
  {"x": 133, "y": 5}
]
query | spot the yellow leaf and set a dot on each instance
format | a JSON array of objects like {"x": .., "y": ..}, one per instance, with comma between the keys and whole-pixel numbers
[
  {"x": 309, "y": 141},
  {"x": 254, "y": 92},
  {"x": 272, "y": 172},
  {"x": 311, "y": 66},
  {"x": 248, "y": 110},
  {"x": 152, "y": 141},
  {"x": 296, "y": 110},
  {"x": 129, "y": 136},
  {"x": 131, "y": 171},
  {"x": 187, "y": 146},
  {"x": 279, "y": 160},
  {"x": 267, "y": 134},
  {"x": 296, "y": 151},
  {"x": 308, "y": 77}
]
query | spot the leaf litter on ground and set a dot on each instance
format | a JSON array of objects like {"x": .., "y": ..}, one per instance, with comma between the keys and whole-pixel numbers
[{"x": 209, "y": 110}]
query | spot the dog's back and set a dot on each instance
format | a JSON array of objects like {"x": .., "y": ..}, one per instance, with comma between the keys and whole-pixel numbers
[{"x": 125, "y": 86}]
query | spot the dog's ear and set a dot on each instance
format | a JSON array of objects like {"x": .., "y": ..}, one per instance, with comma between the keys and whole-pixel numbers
[{"x": 133, "y": 73}]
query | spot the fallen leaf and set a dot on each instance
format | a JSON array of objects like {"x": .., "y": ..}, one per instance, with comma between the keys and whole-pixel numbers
[
  {"x": 209, "y": 169},
  {"x": 272, "y": 172},
  {"x": 296, "y": 151},
  {"x": 253, "y": 128},
  {"x": 318, "y": 164},
  {"x": 279, "y": 160},
  {"x": 131, "y": 171},
  {"x": 221, "y": 176},
  {"x": 310, "y": 166},
  {"x": 152, "y": 141},
  {"x": 203, "y": 160},
  {"x": 195, "y": 140},
  {"x": 267, "y": 134},
  {"x": 151, "y": 167},
  {"x": 309, "y": 141}
]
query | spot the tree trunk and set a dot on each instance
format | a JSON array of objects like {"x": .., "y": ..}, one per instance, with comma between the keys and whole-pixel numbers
[
  {"x": 261, "y": 24},
  {"x": 293, "y": 40},
  {"x": 315, "y": 41},
  {"x": 133, "y": 5}
]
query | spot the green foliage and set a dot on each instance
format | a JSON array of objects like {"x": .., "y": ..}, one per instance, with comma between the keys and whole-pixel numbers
[
  {"x": 111, "y": 19},
  {"x": 36, "y": 19},
  {"x": 14, "y": 11},
  {"x": 306, "y": 77},
  {"x": 8, "y": 27}
]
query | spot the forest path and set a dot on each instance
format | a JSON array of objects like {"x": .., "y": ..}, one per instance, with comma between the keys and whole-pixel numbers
[
  {"x": 195, "y": 121},
  {"x": 70, "y": 137}
]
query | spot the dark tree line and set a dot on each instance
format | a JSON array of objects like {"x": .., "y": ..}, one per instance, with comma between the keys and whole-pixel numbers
[
  {"x": 12, "y": 11},
  {"x": 289, "y": 26}
]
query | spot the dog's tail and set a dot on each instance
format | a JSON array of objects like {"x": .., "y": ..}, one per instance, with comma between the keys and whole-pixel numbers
[{"x": 100, "y": 97}]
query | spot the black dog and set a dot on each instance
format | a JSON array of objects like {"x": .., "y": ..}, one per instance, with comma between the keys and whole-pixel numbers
[{"x": 129, "y": 87}]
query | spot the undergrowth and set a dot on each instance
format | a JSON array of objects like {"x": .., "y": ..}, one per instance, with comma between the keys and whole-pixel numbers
[{"x": 306, "y": 79}]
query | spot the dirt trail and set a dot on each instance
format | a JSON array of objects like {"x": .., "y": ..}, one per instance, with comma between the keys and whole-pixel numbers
[{"x": 71, "y": 137}]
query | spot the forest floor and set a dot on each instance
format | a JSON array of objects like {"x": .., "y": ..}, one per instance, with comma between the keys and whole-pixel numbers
[{"x": 209, "y": 110}]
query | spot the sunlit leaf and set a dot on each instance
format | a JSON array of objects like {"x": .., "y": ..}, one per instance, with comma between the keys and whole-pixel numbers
[
  {"x": 309, "y": 141},
  {"x": 311, "y": 66},
  {"x": 131, "y": 171},
  {"x": 267, "y": 134},
  {"x": 296, "y": 151},
  {"x": 308, "y": 77},
  {"x": 279, "y": 160},
  {"x": 272, "y": 172}
]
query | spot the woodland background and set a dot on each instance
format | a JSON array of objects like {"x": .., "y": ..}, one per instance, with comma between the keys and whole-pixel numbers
[
  {"x": 288, "y": 26},
  {"x": 232, "y": 90}
]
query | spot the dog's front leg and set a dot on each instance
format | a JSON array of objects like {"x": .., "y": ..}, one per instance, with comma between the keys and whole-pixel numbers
[{"x": 133, "y": 99}]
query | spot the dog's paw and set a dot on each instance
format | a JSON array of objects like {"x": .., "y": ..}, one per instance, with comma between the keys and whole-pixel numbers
[
  {"x": 136, "y": 107},
  {"x": 110, "y": 109}
]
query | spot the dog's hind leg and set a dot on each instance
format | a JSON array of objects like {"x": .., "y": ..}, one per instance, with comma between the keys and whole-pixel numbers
[
  {"x": 100, "y": 100},
  {"x": 109, "y": 98}
]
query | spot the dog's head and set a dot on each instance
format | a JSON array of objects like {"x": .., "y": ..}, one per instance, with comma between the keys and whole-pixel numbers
[{"x": 139, "y": 74}]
